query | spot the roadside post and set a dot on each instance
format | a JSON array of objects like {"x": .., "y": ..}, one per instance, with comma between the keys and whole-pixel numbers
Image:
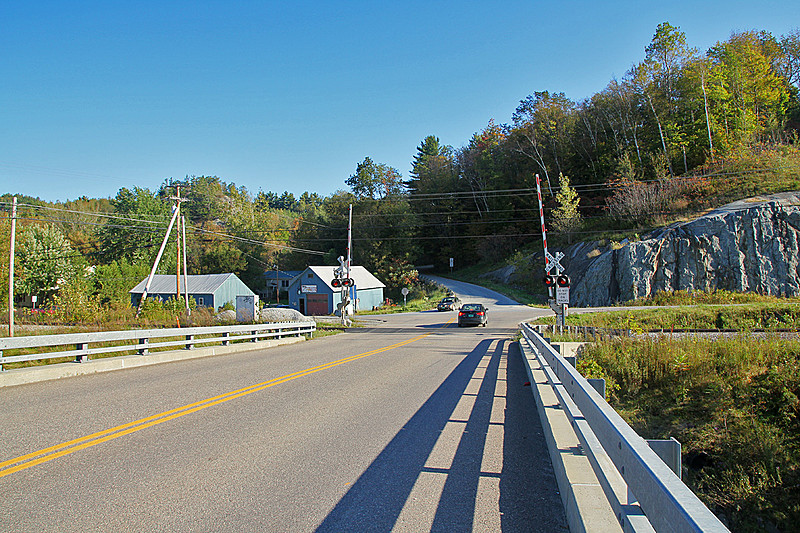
[
  {"x": 562, "y": 298},
  {"x": 405, "y": 293}
]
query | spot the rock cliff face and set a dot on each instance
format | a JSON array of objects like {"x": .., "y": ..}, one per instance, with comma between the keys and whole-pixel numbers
[{"x": 751, "y": 245}]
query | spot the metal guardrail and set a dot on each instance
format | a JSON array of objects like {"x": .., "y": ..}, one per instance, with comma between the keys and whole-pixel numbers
[
  {"x": 600, "y": 333},
  {"x": 642, "y": 490},
  {"x": 140, "y": 341}
]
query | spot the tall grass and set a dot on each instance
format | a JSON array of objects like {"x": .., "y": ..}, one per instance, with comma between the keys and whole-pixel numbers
[
  {"x": 754, "y": 171},
  {"x": 759, "y": 170},
  {"x": 777, "y": 315},
  {"x": 734, "y": 403},
  {"x": 717, "y": 297}
]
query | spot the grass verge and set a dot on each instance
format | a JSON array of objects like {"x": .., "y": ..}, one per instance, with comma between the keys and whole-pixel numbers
[
  {"x": 779, "y": 315},
  {"x": 732, "y": 403}
]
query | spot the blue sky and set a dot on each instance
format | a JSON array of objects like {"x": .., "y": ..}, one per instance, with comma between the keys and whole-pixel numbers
[{"x": 291, "y": 96}]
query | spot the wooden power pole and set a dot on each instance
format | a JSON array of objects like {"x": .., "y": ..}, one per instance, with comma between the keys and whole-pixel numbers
[{"x": 11, "y": 268}]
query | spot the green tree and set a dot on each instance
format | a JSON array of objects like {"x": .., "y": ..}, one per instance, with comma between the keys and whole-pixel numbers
[
  {"x": 46, "y": 261},
  {"x": 375, "y": 180},
  {"x": 112, "y": 281},
  {"x": 72, "y": 301},
  {"x": 751, "y": 97},
  {"x": 219, "y": 257},
  {"x": 657, "y": 81},
  {"x": 566, "y": 217},
  {"x": 309, "y": 201},
  {"x": 432, "y": 168},
  {"x": 138, "y": 232},
  {"x": 434, "y": 208},
  {"x": 665, "y": 57},
  {"x": 543, "y": 122},
  {"x": 396, "y": 274},
  {"x": 207, "y": 199}
]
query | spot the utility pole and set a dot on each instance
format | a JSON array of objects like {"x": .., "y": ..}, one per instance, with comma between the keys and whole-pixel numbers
[
  {"x": 180, "y": 231},
  {"x": 177, "y": 199},
  {"x": 178, "y": 258},
  {"x": 350, "y": 252},
  {"x": 155, "y": 263},
  {"x": 349, "y": 239},
  {"x": 11, "y": 268},
  {"x": 185, "y": 273},
  {"x": 277, "y": 286}
]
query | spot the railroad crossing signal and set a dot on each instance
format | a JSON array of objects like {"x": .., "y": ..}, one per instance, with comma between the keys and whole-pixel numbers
[
  {"x": 550, "y": 281},
  {"x": 553, "y": 262},
  {"x": 557, "y": 283}
]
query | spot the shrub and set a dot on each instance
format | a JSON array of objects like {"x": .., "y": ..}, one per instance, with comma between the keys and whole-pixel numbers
[{"x": 648, "y": 202}]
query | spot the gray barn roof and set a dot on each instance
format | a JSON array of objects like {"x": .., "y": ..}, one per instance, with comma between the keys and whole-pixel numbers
[
  {"x": 362, "y": 277},
  {"x": 197, "y": 284}
]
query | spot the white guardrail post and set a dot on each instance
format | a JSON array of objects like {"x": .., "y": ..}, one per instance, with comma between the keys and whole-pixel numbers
[{"x": 620, "y": 457}]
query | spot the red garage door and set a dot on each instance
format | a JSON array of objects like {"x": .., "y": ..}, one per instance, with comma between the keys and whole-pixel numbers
[{"x": 317, "y": 304}]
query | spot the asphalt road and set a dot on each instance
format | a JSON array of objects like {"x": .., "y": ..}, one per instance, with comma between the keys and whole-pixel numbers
[{"x": 409, "y": 424}]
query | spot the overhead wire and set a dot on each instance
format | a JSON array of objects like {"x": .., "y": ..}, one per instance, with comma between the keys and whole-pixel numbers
[
  {"x": 251, "y": 241},
  {"x": 101, "y": 214},
  {"x": 461, "y": 195}
]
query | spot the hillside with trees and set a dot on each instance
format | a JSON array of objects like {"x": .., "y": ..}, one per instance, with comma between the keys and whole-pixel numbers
[{"x": 682, "y": 130}]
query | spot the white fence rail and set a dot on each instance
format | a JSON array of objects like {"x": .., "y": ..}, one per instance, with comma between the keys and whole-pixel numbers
[
  {"x": 82, "y": 346},
  {"x": 642, "y": 490}
]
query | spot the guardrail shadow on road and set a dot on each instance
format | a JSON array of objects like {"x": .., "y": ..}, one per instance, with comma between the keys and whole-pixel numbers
[{"x": 378, "y": 498}]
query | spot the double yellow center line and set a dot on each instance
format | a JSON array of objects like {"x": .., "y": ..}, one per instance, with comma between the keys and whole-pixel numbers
[{"x": 65, "y": 448}]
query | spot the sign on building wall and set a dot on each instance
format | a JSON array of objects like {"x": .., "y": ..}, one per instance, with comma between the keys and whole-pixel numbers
[{"x": 308, "y": 288}]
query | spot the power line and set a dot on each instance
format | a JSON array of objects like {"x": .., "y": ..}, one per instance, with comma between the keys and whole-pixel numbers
[
  {"x": 88, "y": 213},
  {"x": 463, "y": 195},
  {"x": 101, "y": 214},
  {"x": 76, "y": 223},
  {"x": 251, "y": 241}
]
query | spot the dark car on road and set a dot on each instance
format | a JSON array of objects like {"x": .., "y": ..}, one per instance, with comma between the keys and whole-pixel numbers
[
  {"x": 474, "y": 314},
  {"x": 447, "y": 304}
]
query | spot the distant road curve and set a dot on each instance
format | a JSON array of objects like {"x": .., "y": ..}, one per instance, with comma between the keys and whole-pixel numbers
[{"x": 468, "y": 292}]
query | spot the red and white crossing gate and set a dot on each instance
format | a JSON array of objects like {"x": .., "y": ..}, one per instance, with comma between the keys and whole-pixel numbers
[
  {"x": 550, "y": 261},
  {"x": 557, "y": 285}
]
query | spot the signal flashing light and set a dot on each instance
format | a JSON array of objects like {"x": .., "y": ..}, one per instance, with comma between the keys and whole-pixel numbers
[
  {"x": 549, "y": 281},
  {"x": 563, "y": 280}
]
